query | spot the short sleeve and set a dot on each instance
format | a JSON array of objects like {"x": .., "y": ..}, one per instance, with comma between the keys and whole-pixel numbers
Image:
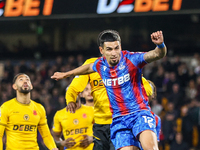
[
  {"x": 94, "y": 67},
  {"x": 137, "y": 58},
  {"x": 56, "y": 124}
]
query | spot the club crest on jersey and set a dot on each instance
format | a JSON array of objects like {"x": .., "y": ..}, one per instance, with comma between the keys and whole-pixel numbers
[
  {"x": 121, "y": 66},
  {"x": 84, "y": 116},
  {"x": 26, "y": 117},
  {"x": 34, "y": 112},
  {"x": 75, "y": 121},
  {"x": 113, "y": 73}
]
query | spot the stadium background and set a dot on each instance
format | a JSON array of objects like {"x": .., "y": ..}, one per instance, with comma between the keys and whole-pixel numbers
[{"x": 50, "y": 36}]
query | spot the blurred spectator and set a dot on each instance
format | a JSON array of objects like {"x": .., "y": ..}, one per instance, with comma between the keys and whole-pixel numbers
[
  {"x": 198, "y": 88},
  {"x": 169, "y": 123},
  {"x": 191, "y": 90},
  {"x": 178, "y": 143},
  {"x": 172, "y": 80},
  {"x": 62, "y": 102},
  {"x": 32, "y": 68},
  {"x": 158, "y": 81},
  {"x": 191, "y": 75},
  {"x": 195, "y": 61},
  {"x": 5, "y": 78},
  {"x": 16, "y": 69},
  {"x": 154, "y": 69},
  {"x": 22, "y": 66},
  {"x": 80, "y": 60},
  {"x": 176, "y": 96},
  {"x": 59, "y": 62},
  {"x": 186, "y": 126},
  {"x": 9, "y": 68},
  {"x": 182, "y": 74},
  {"x": 166, "y": 64},
  {"x": 176, "y": 63},
  {"x": 194, "y": 115},
  {"x": 156, "y": 107}
]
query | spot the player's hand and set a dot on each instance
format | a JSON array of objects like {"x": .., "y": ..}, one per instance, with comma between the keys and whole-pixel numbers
[
  {"x": 70, "y": 142},
  {"x": 55, "y": 149},
  {"x": 157, "y": 37},
  {"x": 59, "y": 75},
  {"x": 86, "y": 142},
  {"x": 71, "y": 107}
]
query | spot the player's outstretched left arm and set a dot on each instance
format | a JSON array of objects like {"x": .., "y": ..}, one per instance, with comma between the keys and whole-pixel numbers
[
  {"x": 160, "y": 50},
  {"x": 47, "y": 137},
  {"x": 82, "y": 70}
]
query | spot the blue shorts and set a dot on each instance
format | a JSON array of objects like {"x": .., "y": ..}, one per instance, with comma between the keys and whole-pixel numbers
[{"x": 126, "y": 129}]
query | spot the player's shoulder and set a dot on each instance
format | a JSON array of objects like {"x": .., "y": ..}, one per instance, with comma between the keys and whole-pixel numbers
[
  {"x": 61, "y": 111},
  {"x": 91, "y": 108},
  {"x": 90, "y": 60},
  {"x": 9, "y": 103},
  {"x": 38, "y": 105}
]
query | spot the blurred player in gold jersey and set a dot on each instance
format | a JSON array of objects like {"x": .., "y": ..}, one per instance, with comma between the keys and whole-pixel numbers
[
  {"x": 86, "y": 94},
  {"x": 75, "y": 127},
  {"x": 20, "y": 117},
  {"x": 102, "y": 113}
]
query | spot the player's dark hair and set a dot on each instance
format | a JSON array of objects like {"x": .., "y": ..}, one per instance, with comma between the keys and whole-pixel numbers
[
  {"x": 108, "y": 36},
  {"x": 17, "y": 75}
]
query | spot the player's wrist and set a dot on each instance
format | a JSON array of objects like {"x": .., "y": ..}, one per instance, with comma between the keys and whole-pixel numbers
[
  {"x": 90, "y": 139},
  {"x": 162, "y": 45},
  {"x": 59, "y": 143}
]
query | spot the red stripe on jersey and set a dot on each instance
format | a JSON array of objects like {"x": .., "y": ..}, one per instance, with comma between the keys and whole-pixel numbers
[
  {"x": 111, "y": 110},
  {"x": 98, "y": 66},
  {"x": 156, "y": 120},
  {"x": 119, "y": 100},
  {"x": 134, "y": 79},
  {"x": 142, "y": 65}
]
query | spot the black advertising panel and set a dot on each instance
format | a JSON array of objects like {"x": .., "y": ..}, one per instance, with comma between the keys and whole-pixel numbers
[{"x": 93, "y": 8}]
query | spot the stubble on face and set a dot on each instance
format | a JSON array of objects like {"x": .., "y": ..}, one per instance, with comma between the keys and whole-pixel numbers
[
  {"x": 112, "y": 52},
  {"x": 25, "y": 90}
]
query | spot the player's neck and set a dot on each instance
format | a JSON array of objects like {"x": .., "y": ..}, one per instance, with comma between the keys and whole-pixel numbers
[
  {"x": 23, "y": 98},
  {"x": 88, "y": 103}
]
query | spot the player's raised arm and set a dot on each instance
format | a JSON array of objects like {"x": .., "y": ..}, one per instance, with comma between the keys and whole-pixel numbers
[
  {"x": 160, "y": 50},
  {"x": 82, "y": 70}
]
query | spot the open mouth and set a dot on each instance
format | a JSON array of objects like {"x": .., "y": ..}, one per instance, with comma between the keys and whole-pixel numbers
[{"x": 25, "y": 86}]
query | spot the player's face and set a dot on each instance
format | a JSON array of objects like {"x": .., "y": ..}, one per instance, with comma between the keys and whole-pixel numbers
[
  {"x": 152, "y": 97},
  {"x": 87, "y": 93},
  {"x": 23, "y": 84},
  {"x": 112, "y": 52}
]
